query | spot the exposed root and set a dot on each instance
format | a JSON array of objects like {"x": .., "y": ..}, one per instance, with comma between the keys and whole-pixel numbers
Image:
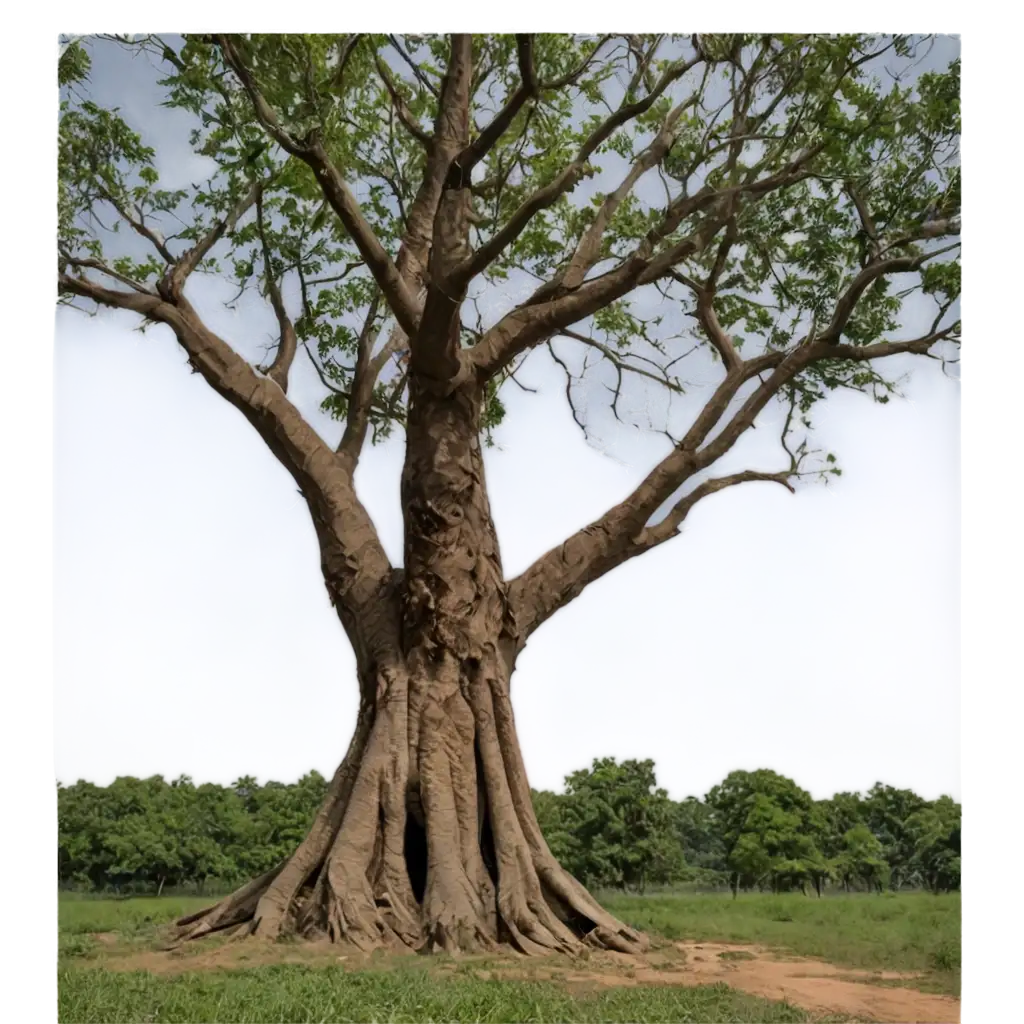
[
  {"x": 486, "y": 876},
  {"x": 576, "y": 904},
  {"x": 233, "y": 910},
  {"x": 272, "y": 912}
]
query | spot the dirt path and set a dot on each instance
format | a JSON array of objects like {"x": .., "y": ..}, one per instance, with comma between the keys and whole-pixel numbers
[
  {"x": 811, "y": 984},
  {"x": 816, "y": 985}
]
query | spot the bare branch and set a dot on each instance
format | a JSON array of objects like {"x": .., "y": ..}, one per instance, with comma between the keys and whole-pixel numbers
[
  {"x": 362, "y": 391},
  {"x": 668, "y": 527},
  {"x": 619, "y": 363},
  {"x": 174, "y": 279},
  {"x": 405, "y": 115},
  {"x": 497, "y": 127},
  {"x": 288, "y": 342}
]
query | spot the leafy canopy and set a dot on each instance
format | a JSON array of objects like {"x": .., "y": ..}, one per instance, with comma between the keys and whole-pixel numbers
[{"x": 766, "y": 189}]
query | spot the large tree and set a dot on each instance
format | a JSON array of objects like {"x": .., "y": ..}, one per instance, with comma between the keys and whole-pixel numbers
[{"x": 783, "y": 201}]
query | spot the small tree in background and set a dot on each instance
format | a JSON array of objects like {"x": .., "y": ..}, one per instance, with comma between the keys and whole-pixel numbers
[
  {"x": 935, "y": 832},
  {"x": 619, "y": 827},
  {"x": 861, "y": 860}
]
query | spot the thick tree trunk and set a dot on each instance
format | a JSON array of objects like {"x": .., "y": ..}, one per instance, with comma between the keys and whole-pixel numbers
[{"x": 427, "y": 837}]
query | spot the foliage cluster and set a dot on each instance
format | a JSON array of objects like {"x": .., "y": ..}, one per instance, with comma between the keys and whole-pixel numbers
[{"x": 612, "y": 828}]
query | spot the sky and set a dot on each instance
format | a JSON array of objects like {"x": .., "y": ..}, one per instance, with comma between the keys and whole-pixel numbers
[{"x": 815, "y": 634}]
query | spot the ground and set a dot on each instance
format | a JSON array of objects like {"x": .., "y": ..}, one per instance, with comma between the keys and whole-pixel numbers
[{"x": 758, "y": 958}]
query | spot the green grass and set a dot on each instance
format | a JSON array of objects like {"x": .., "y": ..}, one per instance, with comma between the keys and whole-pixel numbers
[
  {"x": 135, "y": 922},
  {"x": 908, "y": 932},
  {"x": 895, "y": 932},
  {"x": 289, "y": 992},
  {"x": 78, "y": 915}
]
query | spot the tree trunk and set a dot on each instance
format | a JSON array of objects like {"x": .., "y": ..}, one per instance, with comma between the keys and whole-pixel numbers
[{"x": 427, "y": 837}]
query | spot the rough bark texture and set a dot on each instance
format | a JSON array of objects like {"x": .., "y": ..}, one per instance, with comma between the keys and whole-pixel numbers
[{"x": 427, "y": 837}]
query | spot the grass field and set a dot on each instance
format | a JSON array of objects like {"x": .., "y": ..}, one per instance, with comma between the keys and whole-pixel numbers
[
  {"x": 913, "y": 931},
  {"x": 99, "y": 938}
]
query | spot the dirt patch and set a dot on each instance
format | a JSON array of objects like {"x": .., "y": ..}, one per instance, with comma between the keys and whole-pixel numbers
[
  {"x": 811, "y": 984},
  {"x": 229, "y": 954}
]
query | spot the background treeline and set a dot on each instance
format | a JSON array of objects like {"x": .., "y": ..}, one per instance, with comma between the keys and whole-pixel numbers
[{"x": 612, "y": 828}]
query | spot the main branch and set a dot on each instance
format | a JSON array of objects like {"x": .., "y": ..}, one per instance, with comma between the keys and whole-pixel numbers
[
  {"x": 356, "y": 569},
  {"x": 623, "y": 532}
]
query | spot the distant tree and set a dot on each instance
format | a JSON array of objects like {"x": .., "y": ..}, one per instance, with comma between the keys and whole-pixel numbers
[
  {"x": 887, "y": 811},
  {"x": 82, "y": 858},
  {"x": 775, "y": 849},
  {"x": 703, "y": 848},
  {"x": 861, "y": 860},
  {"x": 835, "y": 817},
  {"x": 619, "y": 827},
  {"x": 749, "y": 861},
  {"x": 935, "y": 832},
  {"x": 612, "y": 827},
  {"x": 766, "y": 824}
]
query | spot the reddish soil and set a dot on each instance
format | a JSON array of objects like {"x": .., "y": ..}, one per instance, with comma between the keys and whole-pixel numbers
[{"x": 814, "y": 985}]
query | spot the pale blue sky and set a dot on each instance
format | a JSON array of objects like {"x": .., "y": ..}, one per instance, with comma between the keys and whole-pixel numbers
[{"x": 817, "y": 635}]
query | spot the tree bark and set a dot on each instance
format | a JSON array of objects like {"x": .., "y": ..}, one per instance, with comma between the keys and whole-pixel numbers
[{"x": 427, "y": 837}]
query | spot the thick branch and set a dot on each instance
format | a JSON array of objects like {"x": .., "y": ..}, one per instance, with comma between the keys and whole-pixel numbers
[
  {"x": 622, "y": 532},
  {"x": 144, "y": 303},
  {"x": 497, "y": 127},
  {"x": 94, "y": 264},
  {"x": 355, "y": 566},
  {"x": 436, "y": 348}
]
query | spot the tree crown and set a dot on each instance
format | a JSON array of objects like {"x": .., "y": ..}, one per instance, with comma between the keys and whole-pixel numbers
[{"x": 777, "y": 212}]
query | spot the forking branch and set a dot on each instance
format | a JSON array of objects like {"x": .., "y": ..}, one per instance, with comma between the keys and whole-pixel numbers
[
  {"x": 625, "y": 530},
  {"x": 774, "y": 143}
]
